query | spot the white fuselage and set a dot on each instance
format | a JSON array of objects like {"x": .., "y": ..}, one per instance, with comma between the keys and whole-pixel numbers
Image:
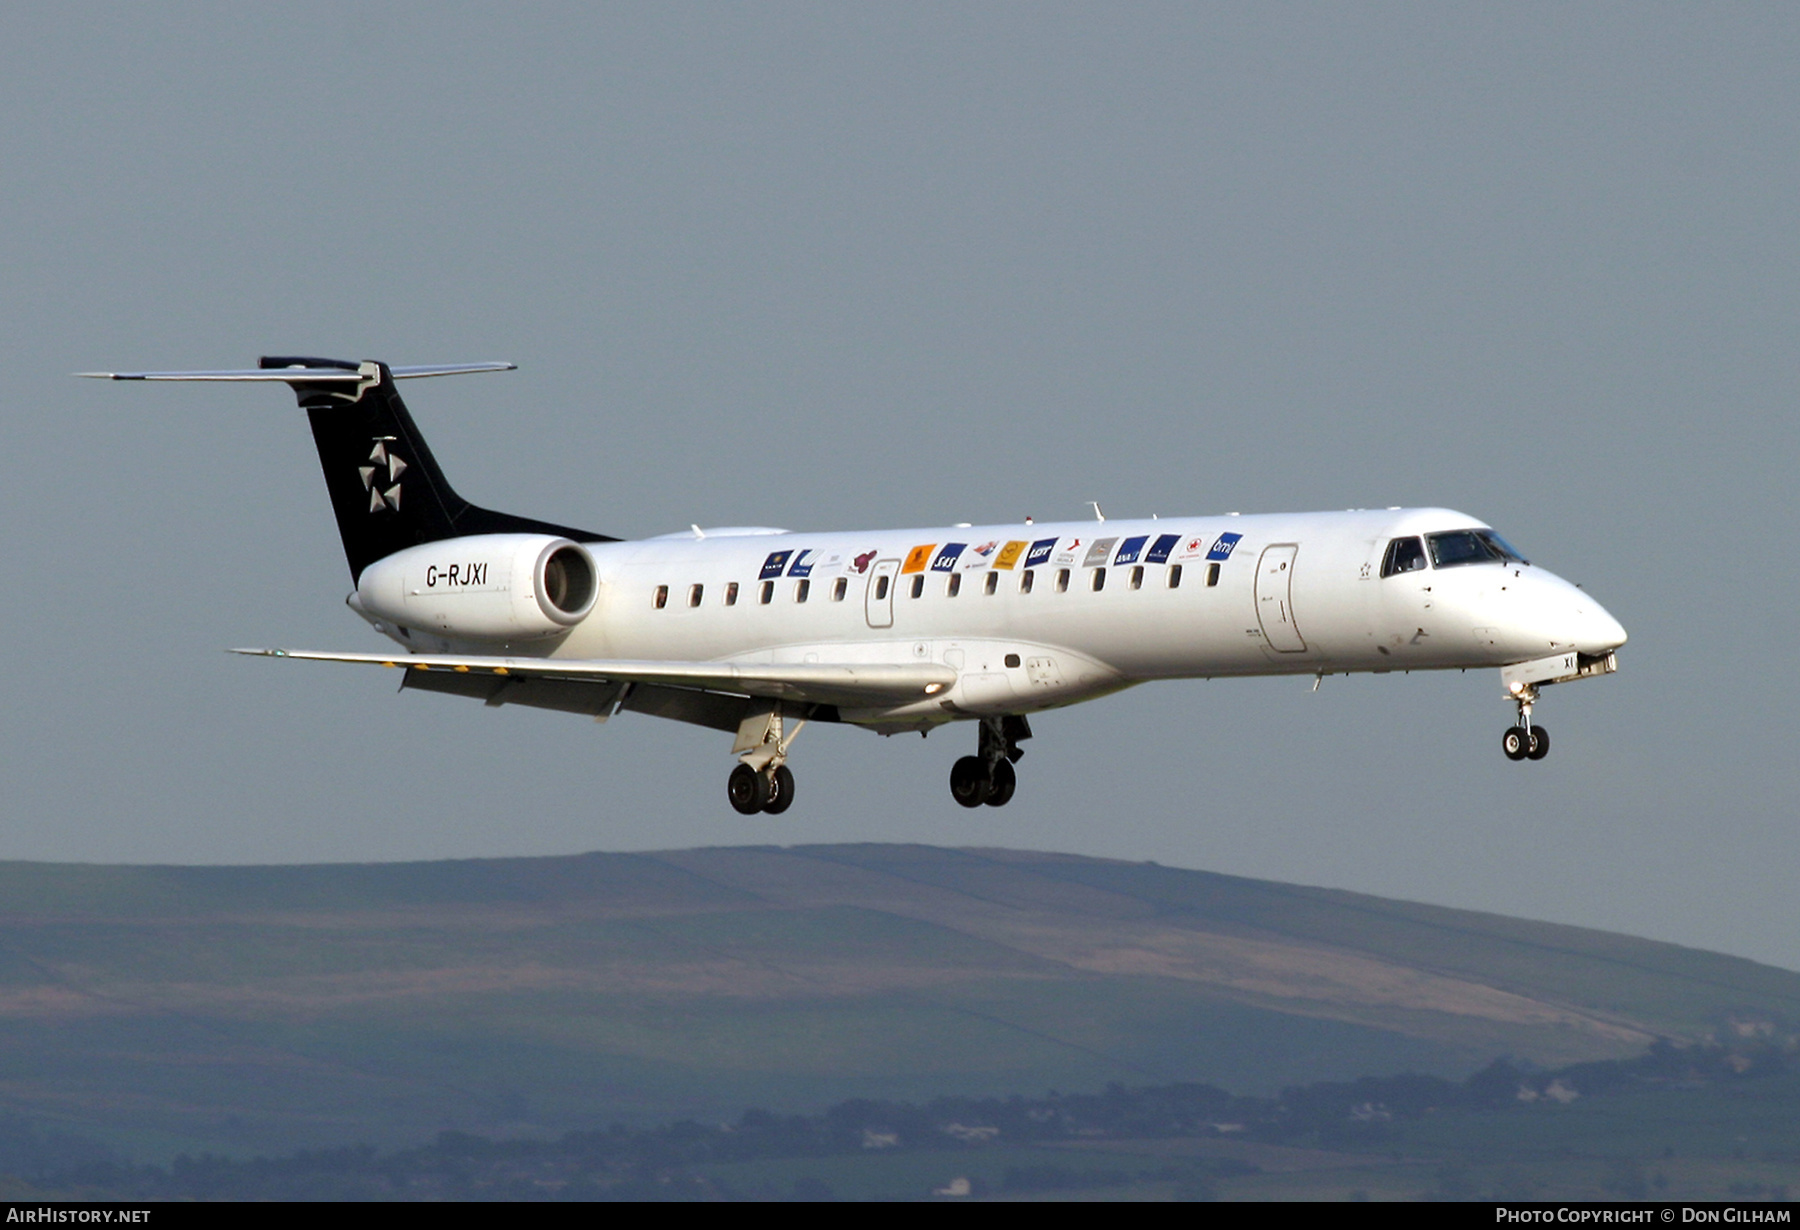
[{"x": 1294, "y": 593}]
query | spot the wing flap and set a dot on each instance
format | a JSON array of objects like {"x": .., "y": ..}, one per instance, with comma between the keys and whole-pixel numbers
[{"x": 858, "y": 684}]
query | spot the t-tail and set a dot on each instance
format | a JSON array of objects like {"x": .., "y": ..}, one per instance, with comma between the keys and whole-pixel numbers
[{"x": 386, "y": 488}]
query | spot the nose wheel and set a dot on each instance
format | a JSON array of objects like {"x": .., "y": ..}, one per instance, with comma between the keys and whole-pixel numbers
[
  {"x": 988, "y": 777},
  {"x": 1522, "y": 740}
]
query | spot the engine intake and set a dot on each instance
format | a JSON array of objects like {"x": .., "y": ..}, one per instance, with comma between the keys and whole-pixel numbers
[{"x": 484, "y": 587}]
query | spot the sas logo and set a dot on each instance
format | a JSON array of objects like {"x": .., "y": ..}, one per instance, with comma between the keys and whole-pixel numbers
[
  {"x": 381, "y": 477},
  {"x": 774, "y": 564},
  {"x": 1009, "y": 555},
  {"x": 1222, "y": 548},
  {"x": 1040, "y": 552},
  {"x": 918, "y": 557},
  {"x": 945, "y": 560}
]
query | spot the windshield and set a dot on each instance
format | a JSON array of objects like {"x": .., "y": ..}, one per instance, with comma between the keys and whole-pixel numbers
[{"x": 1471, "y": 547}]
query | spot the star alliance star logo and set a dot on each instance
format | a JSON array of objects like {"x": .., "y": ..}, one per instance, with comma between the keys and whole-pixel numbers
[{"x": 381, "y": 477}]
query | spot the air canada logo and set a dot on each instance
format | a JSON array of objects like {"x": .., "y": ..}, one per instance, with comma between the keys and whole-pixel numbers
[{"x": 381, "y": 476}]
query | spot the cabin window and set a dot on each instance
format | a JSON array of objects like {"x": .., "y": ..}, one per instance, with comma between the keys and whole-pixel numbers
[
  {"x": 1062, "y": 580},
  {"x": 881, "y": 589},
  {"x": 694, "y": 593},
  {"x": 768, "y": 592},
  {"x": 953, "y": 586},
  {"x": 1098, "y": 582},
  {"x": 1025, "y": 579},
  {"x": 1174, "y": 576},
  {"x": 662, "y": 597},
  {"x": 802, "y": 588},
  {"x": 1137, "y": 577},
  {"x": 993, "y": 584},
  {"x": 1212, "y": 575},
  {"x": 919, "y": 586},
  {"x": 1403, "y": 555},
  {"x": 731, "y": 594},
  {"x": 839, "y": 588},
  {"x": 1012, "y": 661}
]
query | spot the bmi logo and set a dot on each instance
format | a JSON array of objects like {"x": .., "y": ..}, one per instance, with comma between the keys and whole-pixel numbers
[{"x": 381, "y": 477}]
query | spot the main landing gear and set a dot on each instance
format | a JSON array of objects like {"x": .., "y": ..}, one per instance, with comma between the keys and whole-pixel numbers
[
  {"x": 762, "y": 782},
  {"x": 1522, "y": 740},
  {"x": 988, "y": 777}
]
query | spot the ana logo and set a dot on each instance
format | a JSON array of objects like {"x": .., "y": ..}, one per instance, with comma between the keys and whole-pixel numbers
[{"x": 381, "y": 477}]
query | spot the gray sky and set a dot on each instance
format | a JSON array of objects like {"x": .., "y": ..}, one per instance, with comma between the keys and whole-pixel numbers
[{"x": 841, "y": 266}]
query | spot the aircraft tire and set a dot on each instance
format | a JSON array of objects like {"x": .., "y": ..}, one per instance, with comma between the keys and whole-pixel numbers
[
  {"x": 1516, "y": 743},
  {"x": 747, "y": 789},
  {"x": 781, "y": 793},
  {"x": 969, "y": 781},
  {"x": 1006, "y": 781},
  {"x": 1540, "y": 743}
]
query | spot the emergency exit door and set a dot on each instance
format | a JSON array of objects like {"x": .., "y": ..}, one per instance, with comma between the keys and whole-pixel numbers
[{"x": 878, "y": 599}]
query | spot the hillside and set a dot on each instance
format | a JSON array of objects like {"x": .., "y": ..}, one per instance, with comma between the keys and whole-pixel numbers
[{"x": 268, "y": 1008}]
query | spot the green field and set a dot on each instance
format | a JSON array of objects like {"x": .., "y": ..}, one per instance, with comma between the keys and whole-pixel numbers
[{"x": 264, "y": 1009}]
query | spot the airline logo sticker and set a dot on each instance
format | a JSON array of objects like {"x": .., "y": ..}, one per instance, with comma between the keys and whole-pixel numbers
[
  {"x": 1098, "y": 552},
  {"x": 381, "y": 477},
  {"x": 861, "y": 563},
  {"x": 1159, "y": 550},
  {"x": 1128, "y": 550},
  {"x": 980, "y": 557},
  {"x": 1009, "y": 555},
  {"x": 1066, "y": 555},
  {"x": 774, "y": 564},
  {"x": 1222, "y": 548},
  {"x": 803, "y": 563},
  {"x": 1191, "y": 548},
  {"x": 1040, "y": 552},
  {"x": 945, "y": 561},
  {"x": 918, "y": 557}
]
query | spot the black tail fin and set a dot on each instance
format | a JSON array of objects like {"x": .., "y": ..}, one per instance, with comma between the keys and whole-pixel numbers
[{"x": 386, "y": 488}]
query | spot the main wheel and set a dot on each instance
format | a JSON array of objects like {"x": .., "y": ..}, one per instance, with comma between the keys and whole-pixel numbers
[
  {"x": 1540, "y": 743},
  {"x": 1005, "y": 782},
  {"x": 747, "y": 789},
  {"x": 781, "y": 792},
  {"x": 969, "y": 781},
  {"x": 1516, "y": 743}
]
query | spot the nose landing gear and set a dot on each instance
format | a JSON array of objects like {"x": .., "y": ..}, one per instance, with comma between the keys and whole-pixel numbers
[
  {"x": 1522, "y": 740},
  {"x": 988, "y": 776}
]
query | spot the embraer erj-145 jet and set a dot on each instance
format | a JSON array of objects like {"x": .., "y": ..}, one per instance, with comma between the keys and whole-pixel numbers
[{"x": 757, "y": 631}]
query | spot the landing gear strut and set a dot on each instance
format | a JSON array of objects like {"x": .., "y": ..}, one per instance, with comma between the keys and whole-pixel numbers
[
  {"x": 988, "y": 776},
  {"x": 1522, "y": 740},
  {"x": 762, "y": 782}
]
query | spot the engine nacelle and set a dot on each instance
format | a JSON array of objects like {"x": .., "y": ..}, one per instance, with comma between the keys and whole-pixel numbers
[{"x": 484, "y": 587}]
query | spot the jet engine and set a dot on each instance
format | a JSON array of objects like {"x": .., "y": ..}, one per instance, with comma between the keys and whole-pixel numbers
[{"x": 484, "y": 587}]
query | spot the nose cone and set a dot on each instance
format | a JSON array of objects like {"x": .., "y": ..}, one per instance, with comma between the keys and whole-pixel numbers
[
  {"x": 1549, "y": 615},
  {"x": 1596, "y": 631}
]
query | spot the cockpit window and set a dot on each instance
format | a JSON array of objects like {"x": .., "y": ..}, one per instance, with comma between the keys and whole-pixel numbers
[
  {"x": 1471, "y": 547},
  {"x": 1403, "y": 555}
]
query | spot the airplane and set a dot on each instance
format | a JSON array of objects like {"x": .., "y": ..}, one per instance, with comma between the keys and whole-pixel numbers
[{"x": 756, "y": 631}]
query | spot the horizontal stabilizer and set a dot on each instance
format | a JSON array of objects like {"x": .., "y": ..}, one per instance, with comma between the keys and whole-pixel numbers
[
  {"x": 299, "y": 374},
  {"x": 857, "y": 685}
]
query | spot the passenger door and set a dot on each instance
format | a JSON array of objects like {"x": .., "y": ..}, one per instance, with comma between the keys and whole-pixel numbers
[{"x": 1275, "y": 598}]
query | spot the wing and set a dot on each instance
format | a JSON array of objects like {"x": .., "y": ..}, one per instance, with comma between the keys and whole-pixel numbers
[{"x": 858, "y": 685}]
